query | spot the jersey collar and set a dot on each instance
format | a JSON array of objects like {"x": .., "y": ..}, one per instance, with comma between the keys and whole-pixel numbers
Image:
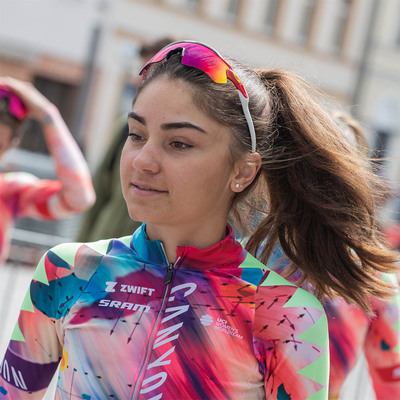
[{"x": 226, "y": 253}]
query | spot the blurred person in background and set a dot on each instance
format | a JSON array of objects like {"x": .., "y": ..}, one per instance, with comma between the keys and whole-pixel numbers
[
  {"x": 22, "y": 194},
  {"x": 391, "y": 229},
  {"x": 109, "y": 218},
  {"x": 180, "y": 309},
  {"x": 351, "y": 330},
  {"x": 392, "y": 233}
]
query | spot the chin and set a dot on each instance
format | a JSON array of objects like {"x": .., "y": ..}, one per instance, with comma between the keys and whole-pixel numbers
[{"x": 135, "y": 215}]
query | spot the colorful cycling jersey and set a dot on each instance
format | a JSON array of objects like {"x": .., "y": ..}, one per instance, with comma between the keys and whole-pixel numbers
[
  {"x": 126, "y": 324},
  {"x": 351, "y": 332},
  {"x": 23, "y": 195}
]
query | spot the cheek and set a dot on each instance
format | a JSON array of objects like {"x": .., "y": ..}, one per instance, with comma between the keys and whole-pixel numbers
[
  {"x": 124, "y": 161},
  {"x": 210, "y": 181},
  {"x": 4, "y": 144},
  {"x": 5, "y": 138}
]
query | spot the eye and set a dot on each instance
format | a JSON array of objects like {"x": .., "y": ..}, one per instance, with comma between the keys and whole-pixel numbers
[
  {"x": 180, "y": 145},
  {"x": 135, "y": 137}
]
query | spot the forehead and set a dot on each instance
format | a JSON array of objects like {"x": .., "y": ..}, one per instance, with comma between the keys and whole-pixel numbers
[
  {"x": 167, "y": 95},
  {"x": 169, "y": 102}
]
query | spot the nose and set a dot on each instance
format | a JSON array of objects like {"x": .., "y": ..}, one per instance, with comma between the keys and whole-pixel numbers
[{"x": 147, "y": 158}]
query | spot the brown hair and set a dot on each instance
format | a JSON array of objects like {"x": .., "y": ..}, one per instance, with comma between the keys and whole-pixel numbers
[
  {"x": 352, "y": 131},
  {"x": 6, "y": 118},
  {"x": 312, "y": 195}
]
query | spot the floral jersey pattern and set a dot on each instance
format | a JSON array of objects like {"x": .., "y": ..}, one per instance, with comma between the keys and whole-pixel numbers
[
  {"x": 351, "y": 332},
  {"x": 128, "y": 325}
]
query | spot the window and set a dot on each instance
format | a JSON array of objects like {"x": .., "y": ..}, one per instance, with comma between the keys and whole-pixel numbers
[
  {"x": 342, "y": 13},
  {"x": 270, "y": 16},
  {"x": 232, "y": 11},
  {"x": 398, "y": 35},
  {"x": 306, "y": 19},
  {"x": 192, "y": 5}
]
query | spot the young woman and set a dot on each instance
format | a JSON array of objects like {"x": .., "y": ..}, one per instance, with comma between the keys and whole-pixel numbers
[
  {"x": 180, "y": 309},
  {"x": 22, "y": 194}
]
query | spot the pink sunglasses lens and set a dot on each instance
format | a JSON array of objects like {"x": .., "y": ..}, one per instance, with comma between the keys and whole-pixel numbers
[
  {"x": 196, "y": 56},
  {"x": 15, "y": 105},
  {"x": 17, "y": 108},
  {"x": 160, "y": 56},
  {"x": 208, "y": 61}
]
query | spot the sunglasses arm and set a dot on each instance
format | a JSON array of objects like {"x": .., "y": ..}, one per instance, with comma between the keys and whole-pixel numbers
[{"x": 246, "y": 111}]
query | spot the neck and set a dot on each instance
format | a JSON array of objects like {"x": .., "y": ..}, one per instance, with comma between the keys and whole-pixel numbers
[{"x": 172, "y": 237}]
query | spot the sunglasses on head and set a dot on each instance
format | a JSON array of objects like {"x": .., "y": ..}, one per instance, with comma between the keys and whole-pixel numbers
[
  {"x": 200, "y": 56},
  {"x": 16, "y": 108}
]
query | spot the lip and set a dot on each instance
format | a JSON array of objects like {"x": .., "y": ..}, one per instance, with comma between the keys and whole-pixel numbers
[{"x": 144, "y": 189}]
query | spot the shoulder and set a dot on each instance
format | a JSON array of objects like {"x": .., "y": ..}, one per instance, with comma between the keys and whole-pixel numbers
[
  {"x": 75, "y": 253},
  {"x": 287, "y": 310},
  {"x": 252, "y": 270},
  {"x": 69, "y": 251},
  {"x": 275, "y": 292},
  {"x": 272, "y": 281},
  {"x": 17, "y": 179},
  {"x": 18, "y": 176},
  {"x": 69, "y": 265},
  {"x": 286, "y": 294},
  {"x": 76, "y": 258}
]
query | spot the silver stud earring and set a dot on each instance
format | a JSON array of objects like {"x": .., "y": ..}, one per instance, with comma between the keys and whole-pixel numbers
[{"x": 238, "y": 186}]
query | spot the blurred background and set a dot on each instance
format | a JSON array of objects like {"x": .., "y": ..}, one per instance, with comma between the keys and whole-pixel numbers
[{"x": 84, "y": 55}]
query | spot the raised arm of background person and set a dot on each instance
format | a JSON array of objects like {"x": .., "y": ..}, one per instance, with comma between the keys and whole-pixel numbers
[{"x": 74, "y": 192}]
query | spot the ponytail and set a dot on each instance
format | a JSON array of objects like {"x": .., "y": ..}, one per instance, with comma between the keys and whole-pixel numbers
[{"x": 320, "y": 201}]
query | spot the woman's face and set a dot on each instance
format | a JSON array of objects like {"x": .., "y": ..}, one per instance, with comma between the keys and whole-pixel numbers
[
  {"x": 175, "y": 168},
  {"x": 5, "y": 138}
]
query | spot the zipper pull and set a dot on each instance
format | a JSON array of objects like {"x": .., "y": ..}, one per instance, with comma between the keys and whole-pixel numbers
[{"x": 168, "y": 276}]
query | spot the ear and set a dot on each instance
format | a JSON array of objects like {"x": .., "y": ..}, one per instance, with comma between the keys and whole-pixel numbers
[{"x": 245, "y": 170}]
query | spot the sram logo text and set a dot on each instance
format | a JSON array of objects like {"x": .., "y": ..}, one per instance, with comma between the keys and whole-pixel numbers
[{"x": 123, "y": 305}]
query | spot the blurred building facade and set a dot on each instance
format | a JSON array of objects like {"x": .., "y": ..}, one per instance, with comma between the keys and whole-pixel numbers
[{"x": 82, "y": 54}]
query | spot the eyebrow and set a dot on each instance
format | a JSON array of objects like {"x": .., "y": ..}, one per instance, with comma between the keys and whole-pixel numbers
[
  {"x": 169, "y": 125},
  {"x": 181, "y": 125},
  {"x": 137, "y": 117}
]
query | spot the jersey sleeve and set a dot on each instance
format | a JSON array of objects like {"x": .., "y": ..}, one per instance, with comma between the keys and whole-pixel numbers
[
  {"x": 292, "y": 336},
  {"x": 382, "y": 346},
  {"x": 36, "y": 345},
  {"x": 29, "y": 196},
  {"x": 76, "y": 192}
]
